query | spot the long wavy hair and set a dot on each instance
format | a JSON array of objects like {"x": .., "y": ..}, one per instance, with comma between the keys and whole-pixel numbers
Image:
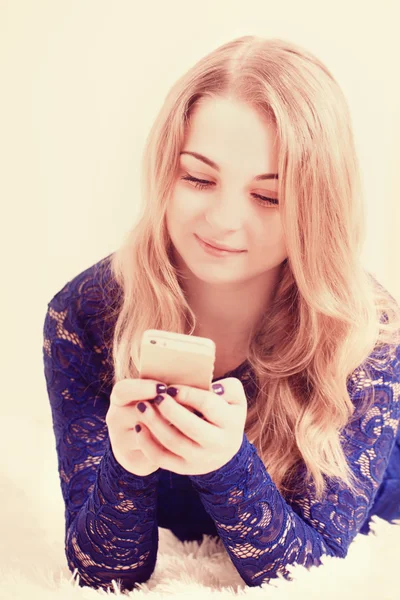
[{"x": 328, "y": 314}]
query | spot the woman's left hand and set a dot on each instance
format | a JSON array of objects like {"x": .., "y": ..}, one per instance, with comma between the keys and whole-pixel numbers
[{"x": 194, "y": 445}]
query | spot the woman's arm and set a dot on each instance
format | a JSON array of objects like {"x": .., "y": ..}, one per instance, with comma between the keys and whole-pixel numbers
[
  {"x": 263, "y": 533},
  {"x": 111, "y": 527}
]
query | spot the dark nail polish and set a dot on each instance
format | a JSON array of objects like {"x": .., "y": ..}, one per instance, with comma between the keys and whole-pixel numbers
[
  {"x": 218, "y": 388},
  {"x": 138, "y": 428},
  {"x": 158, "y": 399},
  {"x": 161, "y": 388},
  {"x": 142, "y": 407},
  {"x": 172, "y": 391}
]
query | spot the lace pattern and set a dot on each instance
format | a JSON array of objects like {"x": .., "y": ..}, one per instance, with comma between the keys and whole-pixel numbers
[
  {"x": 263, "y": 533},
  {"x": 111, "y": 515}
]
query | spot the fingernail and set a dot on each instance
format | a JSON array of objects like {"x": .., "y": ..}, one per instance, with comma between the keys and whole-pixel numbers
[
  {"x": 172, "y": 391},
  {"x": 142, "y": 407},
  {"x": 138, "y": 428},
  {"x": 158, "y": 399},
  {"x": 218, "y": 388},
  {"x": 161, "y": 388}
]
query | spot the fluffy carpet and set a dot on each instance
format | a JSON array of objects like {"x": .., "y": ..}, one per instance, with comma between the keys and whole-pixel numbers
[{"x": 33, "y": 564}]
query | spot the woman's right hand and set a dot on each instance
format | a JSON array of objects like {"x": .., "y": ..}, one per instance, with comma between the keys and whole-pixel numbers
[{"x": 121, "y": 418}]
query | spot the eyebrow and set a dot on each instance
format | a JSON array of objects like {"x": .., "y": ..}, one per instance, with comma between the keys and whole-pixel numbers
[{"x": 214, "y": 165}]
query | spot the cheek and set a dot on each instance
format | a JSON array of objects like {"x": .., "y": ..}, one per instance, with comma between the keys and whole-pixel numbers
[
  {"x": 183, "y": 208},
  {"x": 179, "y": 219},
  {"x": 271, "y": 245},
  {"x": 274, "y": 238}
]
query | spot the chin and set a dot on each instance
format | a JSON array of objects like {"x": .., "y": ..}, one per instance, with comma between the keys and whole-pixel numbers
[{"x": 216, "y": 273}]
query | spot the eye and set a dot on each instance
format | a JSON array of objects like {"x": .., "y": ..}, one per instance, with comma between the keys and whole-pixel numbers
[
  {"x": 202, "y": 184},
  {"x": 199, "y": 183}
]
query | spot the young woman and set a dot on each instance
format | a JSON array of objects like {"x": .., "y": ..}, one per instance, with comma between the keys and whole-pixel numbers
[{"x": 287, "y": 459}]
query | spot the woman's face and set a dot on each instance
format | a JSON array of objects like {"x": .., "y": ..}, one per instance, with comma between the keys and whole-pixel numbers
[{"x": 242, "y": 145}]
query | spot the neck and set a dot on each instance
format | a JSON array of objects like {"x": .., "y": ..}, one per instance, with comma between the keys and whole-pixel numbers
[{"x": 229, "y": 313}]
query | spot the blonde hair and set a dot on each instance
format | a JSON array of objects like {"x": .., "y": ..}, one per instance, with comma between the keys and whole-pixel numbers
[{"x": 328, "y": 313}]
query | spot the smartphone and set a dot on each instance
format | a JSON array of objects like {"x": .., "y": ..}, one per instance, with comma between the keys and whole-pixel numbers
[{"x": 177, "y": 358}]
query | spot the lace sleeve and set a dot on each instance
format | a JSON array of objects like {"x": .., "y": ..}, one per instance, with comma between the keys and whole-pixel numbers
[
  {"x": 263, "y": 533},
  {"x": 110, "y": 514}
]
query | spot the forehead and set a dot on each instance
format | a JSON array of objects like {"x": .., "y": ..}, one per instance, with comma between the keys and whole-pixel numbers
[{"x": 227, "y": 131}]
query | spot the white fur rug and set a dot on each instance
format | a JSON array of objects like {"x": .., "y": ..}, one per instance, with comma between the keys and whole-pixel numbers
[{"x": 33, "y": 564}]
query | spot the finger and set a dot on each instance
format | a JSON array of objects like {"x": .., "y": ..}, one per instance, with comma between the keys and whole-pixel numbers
[
  {"x": 127, "y": 391},
  {"x": 229, "y": 389},
  {"x": 177, "y": 439},
  {"x": 233, "y": 391},
  {"x": 216, "y": 409},
  {"x": 199, "y": 431},
  {"x": 155, "y": 452}
]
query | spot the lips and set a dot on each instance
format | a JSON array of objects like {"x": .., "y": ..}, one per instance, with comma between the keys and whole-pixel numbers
[{"x": 227, "y": 248}]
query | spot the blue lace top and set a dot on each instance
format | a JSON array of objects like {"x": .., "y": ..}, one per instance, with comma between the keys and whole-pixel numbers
[{"x": 112, "y": 516}]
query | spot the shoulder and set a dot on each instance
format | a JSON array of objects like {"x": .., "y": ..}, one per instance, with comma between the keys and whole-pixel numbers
[
  {"x": 86, "y": 283},
  {"x": 384, "y": 293},
  {"x": 374, "y": 388},
  {"x": 380, "y": 371},
  {"x": 86, "y": 301}
]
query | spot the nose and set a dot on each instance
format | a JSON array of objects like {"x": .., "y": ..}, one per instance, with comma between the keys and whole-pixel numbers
[{"x": 225, "y": 214}]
